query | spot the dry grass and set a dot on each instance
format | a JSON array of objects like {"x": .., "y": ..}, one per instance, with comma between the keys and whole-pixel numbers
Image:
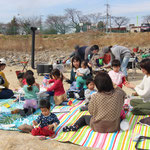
[{"x": 67, "y": 42}]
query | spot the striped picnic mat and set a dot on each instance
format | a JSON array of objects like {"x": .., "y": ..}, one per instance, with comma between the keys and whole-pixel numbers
[
  {"x": 108, "y": 141},
  {"x": 85, "y": 136}
]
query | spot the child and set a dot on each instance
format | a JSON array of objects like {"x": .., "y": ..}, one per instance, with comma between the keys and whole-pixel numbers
[
  {"x": 22, "y": 78},
  {"x": 30, "y": 72},
  {"x": 44, "y": 124},
  {"x": 88, "y": 92},
  {"x": 84, "y": 70},
  {"x": 5, "y": 92},
  {"x": 141, "y": 106},
  {"x": 104, "y": 107},
  {"x": 30, "y": 97},
  {"x": 45, "y": 81},
  {"x": 57, "y": 87},
  {"x": 117, "y": 77}
]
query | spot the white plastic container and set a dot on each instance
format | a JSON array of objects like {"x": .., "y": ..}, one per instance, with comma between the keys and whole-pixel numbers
[{"x": 124, "y": 125}]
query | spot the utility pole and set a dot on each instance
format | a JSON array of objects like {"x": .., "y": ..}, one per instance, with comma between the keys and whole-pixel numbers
[
  {"x": 107, "y": 15},
  {"x": 110, "y": 23}
]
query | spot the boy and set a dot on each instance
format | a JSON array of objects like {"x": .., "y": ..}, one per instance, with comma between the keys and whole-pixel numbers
[{"x": 44, "y": 124}]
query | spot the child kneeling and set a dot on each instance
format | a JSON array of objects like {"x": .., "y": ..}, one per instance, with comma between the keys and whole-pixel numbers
[
  {"x": 44, "y": 124},
  {"x": 57, "y": 87}
]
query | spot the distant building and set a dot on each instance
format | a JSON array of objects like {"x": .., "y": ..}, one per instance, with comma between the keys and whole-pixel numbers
[{"x": 135, "y": 29}]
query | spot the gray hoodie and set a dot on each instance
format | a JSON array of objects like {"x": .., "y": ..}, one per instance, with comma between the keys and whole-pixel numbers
[{"x": 119, "y": 52}]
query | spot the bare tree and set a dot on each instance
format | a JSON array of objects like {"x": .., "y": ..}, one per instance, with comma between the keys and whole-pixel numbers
[
  {"x": 120, "y": 21},
  {"x": 24, "y": 25},
  {"x": 75, "y": 18},
  {"x": 94, "y": 18},
  {"x": 146, "y": 19},
  {"x": 59, "y": 23},
  {"x": 35, "y": 21}
]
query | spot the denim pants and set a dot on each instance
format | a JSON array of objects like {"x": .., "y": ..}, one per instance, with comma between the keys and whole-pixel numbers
[
  {"x": 6, "y": 93},
  {"x": 124, "y": 63}
]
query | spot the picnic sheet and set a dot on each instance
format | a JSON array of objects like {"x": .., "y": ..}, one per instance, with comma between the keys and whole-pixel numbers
[{"x": 85, "y": 136}]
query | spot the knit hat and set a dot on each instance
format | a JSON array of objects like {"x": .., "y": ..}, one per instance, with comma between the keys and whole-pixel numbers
[{"x": 2, "y": 61}]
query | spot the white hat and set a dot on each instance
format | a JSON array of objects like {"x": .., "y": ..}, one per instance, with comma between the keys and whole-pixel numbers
[{"x": 2, "y": 61}]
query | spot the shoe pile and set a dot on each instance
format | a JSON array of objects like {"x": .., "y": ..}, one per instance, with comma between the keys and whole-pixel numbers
[{"x": 70, "y": 128}]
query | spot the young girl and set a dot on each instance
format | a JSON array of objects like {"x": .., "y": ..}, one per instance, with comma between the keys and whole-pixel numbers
[
  {"x": 84, "y": 70},
  {"x": 22, "y": 78},
  {"x": 88, "y": 92},
  {"x": 141, "y": 106},
  {"x": 30, "y": 97},
  {"x": 44, "y": 124},
  {"x": 117, "y": 77},
  {"x": 57, "y": 87},
  {"x": 104, "y": 107}
]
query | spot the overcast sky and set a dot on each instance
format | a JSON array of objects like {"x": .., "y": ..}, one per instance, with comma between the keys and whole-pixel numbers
[{"x": 27, "y": 8}]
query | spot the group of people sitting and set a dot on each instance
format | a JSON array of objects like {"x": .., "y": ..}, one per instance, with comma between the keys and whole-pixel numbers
[{"x": 105, "y": 103}]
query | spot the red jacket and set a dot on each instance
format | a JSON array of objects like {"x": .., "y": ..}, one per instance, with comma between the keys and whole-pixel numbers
[
  {"x": 123, "y": 82},
  {"x": 57, "y": 87}
]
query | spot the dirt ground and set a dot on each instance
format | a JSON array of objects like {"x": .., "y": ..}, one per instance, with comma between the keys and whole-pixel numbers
[{"x": 12, "y": 140}]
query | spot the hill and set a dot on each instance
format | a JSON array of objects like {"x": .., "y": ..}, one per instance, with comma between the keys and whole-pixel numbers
[{"x": 67, "y": 42}]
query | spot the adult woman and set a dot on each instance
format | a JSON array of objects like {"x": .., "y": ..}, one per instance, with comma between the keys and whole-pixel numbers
[
  {"x": 104, "y": 107},
  {"x": 142, "y": 106},
  {"x": 121, "y": 53},
  {"x": 76, "y": 64},
  {"x": 5, "y": 93}
]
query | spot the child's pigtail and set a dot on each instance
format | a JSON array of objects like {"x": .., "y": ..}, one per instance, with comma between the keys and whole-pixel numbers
[{"x": 29, "y": 87}]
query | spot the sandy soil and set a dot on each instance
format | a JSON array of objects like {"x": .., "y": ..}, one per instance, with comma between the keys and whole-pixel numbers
[{"x": 12, "y": 140}]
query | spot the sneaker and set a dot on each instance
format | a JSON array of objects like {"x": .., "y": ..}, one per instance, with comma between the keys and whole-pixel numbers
[
  {"x": 73, "y": 128},
  {"x": 66, "y": 129}
]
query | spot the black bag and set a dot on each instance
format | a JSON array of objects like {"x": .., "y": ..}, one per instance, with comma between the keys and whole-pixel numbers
[
  {"x": 145, "y": 121},
  {"x": 70, "y": 94},
  {"x": 81, "y": 95}
]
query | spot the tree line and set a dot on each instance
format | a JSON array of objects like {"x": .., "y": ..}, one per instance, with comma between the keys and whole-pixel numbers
[{"x": 72, "y": 20}]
